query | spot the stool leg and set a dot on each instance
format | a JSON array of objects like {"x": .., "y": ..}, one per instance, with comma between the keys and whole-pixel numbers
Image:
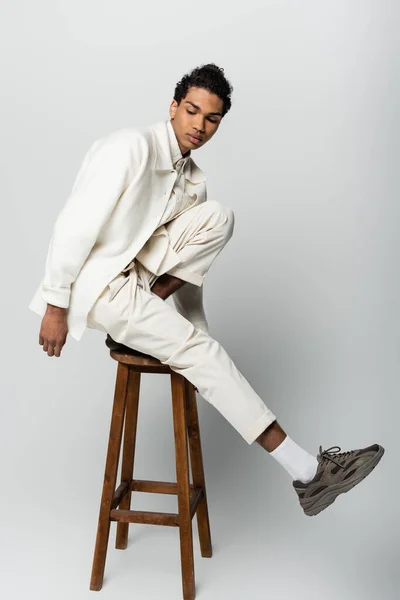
[
  {"x": 110, "y": 476},
  {"x": 182, "y": 474},
  {"x": 196, "y": 460},
  {"x": 128, "y": 456}
]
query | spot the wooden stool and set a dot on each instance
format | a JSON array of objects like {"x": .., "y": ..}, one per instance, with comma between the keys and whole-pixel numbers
[{"x": 192, "y": 498}]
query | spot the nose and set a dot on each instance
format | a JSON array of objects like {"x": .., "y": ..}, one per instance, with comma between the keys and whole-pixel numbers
[{"x": 199, "y": 126}]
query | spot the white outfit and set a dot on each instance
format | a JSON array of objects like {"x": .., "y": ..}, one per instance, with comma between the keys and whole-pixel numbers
[{"x": 192, "y": 233}]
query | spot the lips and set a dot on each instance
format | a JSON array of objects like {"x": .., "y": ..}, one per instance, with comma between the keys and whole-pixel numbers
[{"x": 194, "y": 137}]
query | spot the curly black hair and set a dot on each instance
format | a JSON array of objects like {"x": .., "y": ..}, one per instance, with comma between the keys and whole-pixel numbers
[{"x": 210, "y": 77}]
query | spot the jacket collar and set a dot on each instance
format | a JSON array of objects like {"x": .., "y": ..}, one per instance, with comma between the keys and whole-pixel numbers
[
  {"x": 176, "y": 153},
  {"x": 163, "y": 158}
]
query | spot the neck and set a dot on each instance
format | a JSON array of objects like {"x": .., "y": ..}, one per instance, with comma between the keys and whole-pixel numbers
[{"x": 187, "y": 153}]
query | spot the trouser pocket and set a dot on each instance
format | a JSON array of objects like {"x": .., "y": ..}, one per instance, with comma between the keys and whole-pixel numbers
[{"x": 117, "y": 284}]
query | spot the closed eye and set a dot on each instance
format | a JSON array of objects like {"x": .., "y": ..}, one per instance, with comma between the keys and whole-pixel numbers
[{"x": 193, "y": 113}]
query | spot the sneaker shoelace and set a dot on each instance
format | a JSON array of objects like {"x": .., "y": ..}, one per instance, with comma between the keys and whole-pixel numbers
[{"x": 334, "y": 451}]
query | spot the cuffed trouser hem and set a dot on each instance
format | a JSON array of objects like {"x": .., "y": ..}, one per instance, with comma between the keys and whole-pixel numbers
[
  {"x": 187, "y": 275},
  {"x": 259, "y": 426}
]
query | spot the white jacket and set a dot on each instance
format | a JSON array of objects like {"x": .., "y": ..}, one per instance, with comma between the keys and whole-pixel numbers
[{"x": 116, "y": 202}]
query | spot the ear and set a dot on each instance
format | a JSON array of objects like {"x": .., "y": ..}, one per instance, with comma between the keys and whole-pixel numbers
[{"x": 172, "y": 108}]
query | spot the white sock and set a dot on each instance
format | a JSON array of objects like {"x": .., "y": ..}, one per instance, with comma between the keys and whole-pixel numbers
[{"x": 298, "y": 463}]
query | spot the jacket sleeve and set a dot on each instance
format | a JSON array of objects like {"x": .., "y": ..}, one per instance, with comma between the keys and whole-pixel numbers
[
  {"x": 188, "y": 301},
  {"x": 102, "y": 179}
]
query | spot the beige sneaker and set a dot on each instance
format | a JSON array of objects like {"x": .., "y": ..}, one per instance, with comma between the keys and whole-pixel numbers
[{"x": 337, "y": 473}]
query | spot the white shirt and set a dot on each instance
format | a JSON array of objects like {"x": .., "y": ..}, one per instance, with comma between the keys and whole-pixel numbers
[{"x": 179, "y": 199}]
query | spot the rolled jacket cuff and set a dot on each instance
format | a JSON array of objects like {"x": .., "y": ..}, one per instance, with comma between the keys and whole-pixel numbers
[{"x": 56, "y": 296}]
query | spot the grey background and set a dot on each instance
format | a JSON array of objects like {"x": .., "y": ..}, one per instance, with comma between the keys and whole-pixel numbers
[{"x": 304, "y": 298}]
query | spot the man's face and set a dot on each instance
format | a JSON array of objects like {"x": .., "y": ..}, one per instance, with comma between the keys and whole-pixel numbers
[{"x": 198, "y": 114}]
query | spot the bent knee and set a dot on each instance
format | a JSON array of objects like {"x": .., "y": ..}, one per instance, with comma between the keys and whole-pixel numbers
[{"x": 224, "y": 213}]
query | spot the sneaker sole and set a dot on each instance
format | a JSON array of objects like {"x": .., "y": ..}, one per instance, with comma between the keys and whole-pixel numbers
[{"x": 327, "y": 498}]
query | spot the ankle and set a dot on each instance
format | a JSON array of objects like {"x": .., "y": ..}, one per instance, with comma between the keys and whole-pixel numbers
[{"x": 298, "y": 462}]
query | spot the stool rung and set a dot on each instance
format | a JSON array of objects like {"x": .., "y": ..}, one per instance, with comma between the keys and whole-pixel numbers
[
  {"x": 155, "y": 487},
  {"x": 143, "y": 485},
  {"x": 156, "y": 518},
  {"x": 146, "y": 517}
]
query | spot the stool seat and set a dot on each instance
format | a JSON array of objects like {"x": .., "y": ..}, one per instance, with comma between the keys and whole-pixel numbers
[
  {"x": 192, "y": 497},
  {"x": 138, "y": 361}
]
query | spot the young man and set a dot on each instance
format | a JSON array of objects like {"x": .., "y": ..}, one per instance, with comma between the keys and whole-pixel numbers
[{"x": 136, "y": 229}]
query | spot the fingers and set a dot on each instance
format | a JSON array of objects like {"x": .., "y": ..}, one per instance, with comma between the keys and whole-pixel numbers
[
  {"x": 57, "y": 349},
  {"x": 52, "y": 347},
  {"x": 48, "y": 346}
]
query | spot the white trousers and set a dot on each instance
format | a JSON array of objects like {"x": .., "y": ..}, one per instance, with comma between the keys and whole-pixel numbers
[{"x": 133, "y": 315}]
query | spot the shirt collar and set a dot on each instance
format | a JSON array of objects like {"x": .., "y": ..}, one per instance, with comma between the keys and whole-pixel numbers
[{"x": 176, "y": 153}]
